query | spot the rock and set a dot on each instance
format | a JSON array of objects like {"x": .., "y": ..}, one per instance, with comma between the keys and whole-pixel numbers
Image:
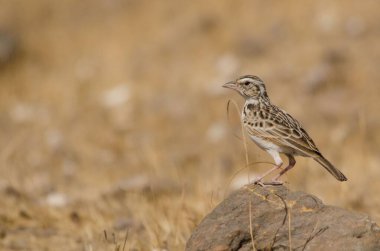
[{"x": 282, "y": 220}]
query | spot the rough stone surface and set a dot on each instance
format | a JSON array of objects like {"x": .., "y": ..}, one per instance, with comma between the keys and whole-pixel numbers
[{"x": 281, "y": 219}]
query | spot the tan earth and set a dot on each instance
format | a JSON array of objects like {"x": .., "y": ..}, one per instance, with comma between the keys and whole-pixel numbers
[{"x": 114, "y": 128}]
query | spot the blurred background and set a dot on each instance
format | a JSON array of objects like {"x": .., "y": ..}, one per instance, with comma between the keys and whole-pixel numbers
[{"x": 114, "y": 126}]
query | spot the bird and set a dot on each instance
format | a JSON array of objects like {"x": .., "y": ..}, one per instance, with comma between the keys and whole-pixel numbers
[{"x": 274, "y": 130}]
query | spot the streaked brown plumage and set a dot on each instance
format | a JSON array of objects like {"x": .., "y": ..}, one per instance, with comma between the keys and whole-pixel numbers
[{"x": 274, "y": 130}]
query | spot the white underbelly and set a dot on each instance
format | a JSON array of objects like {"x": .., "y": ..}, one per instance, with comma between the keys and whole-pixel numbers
[
  {"x": 267, "y": 145},
  {"x": 264, "y": 144}
]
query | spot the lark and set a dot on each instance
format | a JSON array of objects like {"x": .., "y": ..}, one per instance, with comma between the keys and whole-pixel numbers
[{"x": 274, "y": 130}]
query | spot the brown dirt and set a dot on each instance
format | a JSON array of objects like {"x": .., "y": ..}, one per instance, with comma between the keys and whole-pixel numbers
[{"x": 113, "y": 120}]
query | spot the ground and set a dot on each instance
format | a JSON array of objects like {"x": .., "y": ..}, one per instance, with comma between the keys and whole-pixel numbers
[{"x": 114, "y": 125}]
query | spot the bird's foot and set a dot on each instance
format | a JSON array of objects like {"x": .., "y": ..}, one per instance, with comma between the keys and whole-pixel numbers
[
  {"x": 273, "y": 183},
  {"x": 258, "y": 181}
]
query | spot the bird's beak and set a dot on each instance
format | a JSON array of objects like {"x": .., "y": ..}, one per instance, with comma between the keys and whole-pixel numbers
[{"x": 231, "y": 85}]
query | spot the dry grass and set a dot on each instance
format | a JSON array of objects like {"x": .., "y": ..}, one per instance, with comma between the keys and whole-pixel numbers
[{"x": 112, "y": 116}]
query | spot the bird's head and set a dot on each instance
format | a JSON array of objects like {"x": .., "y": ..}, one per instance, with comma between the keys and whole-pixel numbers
[{"x": 249, "y": 86}]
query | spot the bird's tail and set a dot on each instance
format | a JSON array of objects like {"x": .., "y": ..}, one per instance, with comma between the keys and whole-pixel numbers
[{"x": 330, "y": 168}]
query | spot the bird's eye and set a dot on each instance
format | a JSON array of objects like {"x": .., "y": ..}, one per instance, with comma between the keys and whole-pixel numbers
[{"x": 246, "y": 83}]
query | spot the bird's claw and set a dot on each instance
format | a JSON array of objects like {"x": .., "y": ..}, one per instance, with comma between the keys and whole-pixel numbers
[
  {"x": 260, "y": 183},
  {"x": 268, "y": 183},
  {"x": 274, "y": 183},
  {"x": 257, "y": 181}
]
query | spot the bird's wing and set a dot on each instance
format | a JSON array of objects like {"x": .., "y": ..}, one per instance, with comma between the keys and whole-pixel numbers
[{"x": 273, "y": 124}]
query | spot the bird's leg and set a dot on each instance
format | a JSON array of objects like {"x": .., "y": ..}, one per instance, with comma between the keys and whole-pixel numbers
[
  {"x": 277, "y": 160},
  {"x": 261, "y": 177},
  {"x": 292, "y": 163}
]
